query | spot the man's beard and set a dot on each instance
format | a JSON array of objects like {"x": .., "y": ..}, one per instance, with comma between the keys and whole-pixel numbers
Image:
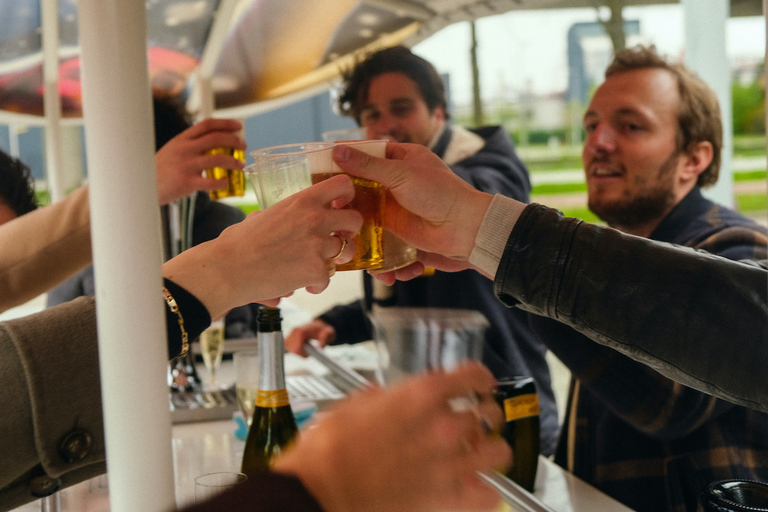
[{"x": 638, "y": 210}]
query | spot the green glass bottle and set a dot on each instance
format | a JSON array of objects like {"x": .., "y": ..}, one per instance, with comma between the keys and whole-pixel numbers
[
  {"x": 518, "y": 398},
  {"x": 273, "y": 428}
]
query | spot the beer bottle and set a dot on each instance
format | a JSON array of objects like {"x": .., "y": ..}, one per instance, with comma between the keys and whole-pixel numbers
[
  {"x": 273, "y": 427},
  {"x": 518, "y": 398}
]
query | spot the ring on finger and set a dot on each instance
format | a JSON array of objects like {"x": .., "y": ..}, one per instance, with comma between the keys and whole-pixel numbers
[{"x": 343, "y": 246}]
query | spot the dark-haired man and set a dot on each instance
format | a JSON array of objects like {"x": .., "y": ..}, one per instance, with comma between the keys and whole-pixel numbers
[{"x": 397, "y": 95}]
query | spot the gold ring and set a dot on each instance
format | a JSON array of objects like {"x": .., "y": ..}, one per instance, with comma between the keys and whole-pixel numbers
[{"x": 343, "y": 246}]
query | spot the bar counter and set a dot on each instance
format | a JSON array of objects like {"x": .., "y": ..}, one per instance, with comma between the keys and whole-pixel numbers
[{"x": 201, "y": 447}]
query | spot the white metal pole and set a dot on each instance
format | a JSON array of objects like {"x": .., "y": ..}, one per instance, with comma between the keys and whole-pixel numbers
[
  {"x": 52, "y": 99},
  {"x": 705, "y": 53},
  {"x": 127, "y": 252}
]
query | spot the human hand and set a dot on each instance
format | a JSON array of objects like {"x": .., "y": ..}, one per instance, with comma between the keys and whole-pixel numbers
[
  {"x": 273, "y": 252},
  {"x": 317, "y": 329},
  {"x": 433, "y": 209},
  {"x": 181, "y": 161},
  {"x": 404, "y": 448}
]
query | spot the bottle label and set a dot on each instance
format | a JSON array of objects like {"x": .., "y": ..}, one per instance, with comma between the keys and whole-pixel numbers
[
  {"x": 521, "y": 406},
  {"x": 272, "y": 398}
]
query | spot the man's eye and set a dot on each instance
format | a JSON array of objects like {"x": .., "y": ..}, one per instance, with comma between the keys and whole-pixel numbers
[
  {"x": 401, "y": 111},
  {"x": 369, "y": 117}
]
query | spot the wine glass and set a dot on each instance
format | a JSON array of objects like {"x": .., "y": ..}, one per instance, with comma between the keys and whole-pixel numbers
[
  {"x": 212, "y": 348},
  {"x": 247, "y": 381},
  {"x": 207, "y": 486}
]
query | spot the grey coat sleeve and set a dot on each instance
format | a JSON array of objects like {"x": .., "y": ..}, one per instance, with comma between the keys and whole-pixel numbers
[
  {"x": 698, "y": 319},
  {"x": 50, "y": 395}
]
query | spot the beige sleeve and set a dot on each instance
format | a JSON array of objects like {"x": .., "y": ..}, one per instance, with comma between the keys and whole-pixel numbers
[
  {"x": 43, "y": 248},
  {"x": 494, "y": 231},
  {"x": 50, "y": 392}
]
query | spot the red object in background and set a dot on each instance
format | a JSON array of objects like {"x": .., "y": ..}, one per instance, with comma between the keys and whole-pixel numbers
[{"x": 22, "y": 91}]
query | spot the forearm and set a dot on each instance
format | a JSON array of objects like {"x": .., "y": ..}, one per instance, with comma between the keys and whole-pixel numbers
[
  {"x": 654, "y": 302},
  {"x": 43, "y": 248}
]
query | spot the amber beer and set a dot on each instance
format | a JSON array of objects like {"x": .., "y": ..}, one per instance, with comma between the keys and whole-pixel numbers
[
  {"x": 235, "y": 177},
  {"x": 369, "y": 201}
]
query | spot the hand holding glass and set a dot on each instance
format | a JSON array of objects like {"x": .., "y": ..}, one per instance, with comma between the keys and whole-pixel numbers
[{"x": 283, "y": 170}]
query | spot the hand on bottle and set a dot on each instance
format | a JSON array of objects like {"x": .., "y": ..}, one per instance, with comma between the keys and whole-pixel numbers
[
  {"x": 405, "y": 448},
  {"x": 182, "y": 160},
  {"x": 434, "y": 209},
  {"x": 271, "y": 253},
  {"x": 317, "y": 329}
]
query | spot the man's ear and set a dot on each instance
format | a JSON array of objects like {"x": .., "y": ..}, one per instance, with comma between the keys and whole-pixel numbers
[
  {"x": 696, "y": 159},
  {"x": 439, "y": 113}
]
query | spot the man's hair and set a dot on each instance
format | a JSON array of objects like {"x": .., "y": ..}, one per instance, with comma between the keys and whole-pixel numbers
[
  {"x": 397, "y": 59},
  {"x": 698, "y": 117},
  {"x": 17, "y": 187},
  {"x": 171, "y": 118}
]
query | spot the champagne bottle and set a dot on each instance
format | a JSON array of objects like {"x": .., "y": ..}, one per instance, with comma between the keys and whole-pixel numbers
[
  {"x": 517, "y": 397},
  {"x": 273, "y": 427}
]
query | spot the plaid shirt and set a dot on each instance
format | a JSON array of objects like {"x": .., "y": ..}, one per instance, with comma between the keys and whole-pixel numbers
[{"x": 645, "y": 440}]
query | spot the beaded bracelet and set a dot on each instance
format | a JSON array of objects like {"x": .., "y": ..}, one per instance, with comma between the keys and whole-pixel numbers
[{"x": 174, "y": 307}]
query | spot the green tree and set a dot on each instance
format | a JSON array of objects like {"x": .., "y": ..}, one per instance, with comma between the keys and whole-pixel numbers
[
  {"x": 748, "y": 108},
  {"x": 477, "y": 100}
]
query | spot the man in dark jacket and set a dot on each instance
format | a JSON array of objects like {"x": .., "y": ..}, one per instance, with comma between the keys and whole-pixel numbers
[
  {"x": 399, "y": 96},
  {"x": 653, "y": 139}
]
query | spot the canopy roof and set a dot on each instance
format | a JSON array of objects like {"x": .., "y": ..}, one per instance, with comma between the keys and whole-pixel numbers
[{"x": 241, "y": 54}]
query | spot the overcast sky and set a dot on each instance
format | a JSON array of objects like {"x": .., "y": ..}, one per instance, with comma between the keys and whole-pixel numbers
[{"x": 528, "y": 48}]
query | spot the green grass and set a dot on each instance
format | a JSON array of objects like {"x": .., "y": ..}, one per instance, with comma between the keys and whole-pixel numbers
[
  {"x": 749, "y": 176},
  {"x": 42, "y": 197},
  {"x": 751, "y": 202},
  {"x": 248, "y": 208},
  {"x": 564, "y": 163},
  {"x": 749, "y": 145},
  {"x": 581, "y": 213},
  {"x": 559, "y": 188}
]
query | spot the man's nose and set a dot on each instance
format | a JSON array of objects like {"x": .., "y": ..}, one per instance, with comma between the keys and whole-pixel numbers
[
  {"x": 385, "y": 124},
  {"x": 602, "y": 138}
]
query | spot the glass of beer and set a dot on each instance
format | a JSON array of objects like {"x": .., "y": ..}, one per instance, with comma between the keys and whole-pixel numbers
[
  {"x": 348, "y": 134},
  {"x": 283, "y": 170},
  {"x": 397, "y": 253},
  {"x": 369, "y": 201},
  {"x": 235, "y": 177}
]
